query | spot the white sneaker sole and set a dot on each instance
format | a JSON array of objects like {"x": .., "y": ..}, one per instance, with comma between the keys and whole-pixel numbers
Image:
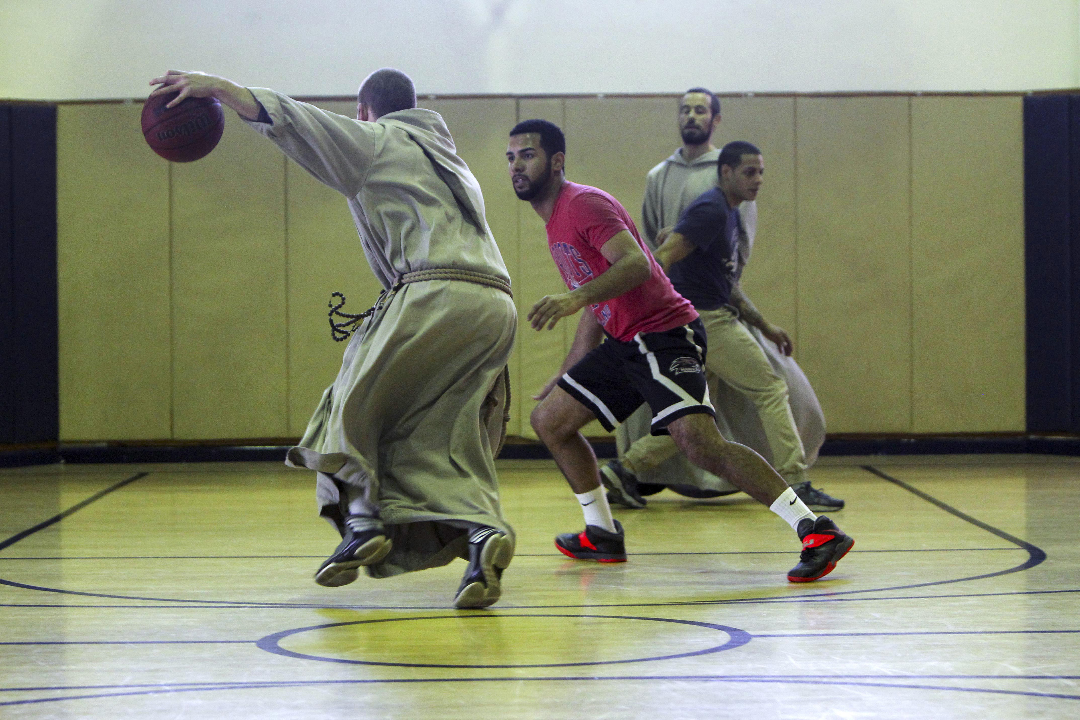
[
  {"x": 344, "y": 572},
  {"x": 497, "y": 553}
]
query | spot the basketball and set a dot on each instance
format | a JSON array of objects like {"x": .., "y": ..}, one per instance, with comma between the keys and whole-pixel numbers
[{"x": 183, "y": 133}]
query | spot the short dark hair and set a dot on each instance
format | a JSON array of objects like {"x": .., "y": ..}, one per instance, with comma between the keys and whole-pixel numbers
[
  {"x": 732, "y": 154},
  {"x": 714, "y": 102},
  {"x": 552, "y": 139},
  {"x": 387, "y": 90}
]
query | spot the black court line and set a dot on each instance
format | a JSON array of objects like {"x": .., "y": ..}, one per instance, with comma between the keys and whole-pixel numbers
[
  {"x": 73, "y": 509},
  {"x": 899, "y": 682},
  {"x": 1035, "y": 557},
  {"x": 913, "y": 633}
]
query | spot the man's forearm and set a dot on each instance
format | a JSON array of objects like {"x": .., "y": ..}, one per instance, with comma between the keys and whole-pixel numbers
[
  {"x": 746, "y": 309},
  {"x": 238, "y": 97},
  {"x": 199, "y": 84},
  {"x": 624, "y": 275}
]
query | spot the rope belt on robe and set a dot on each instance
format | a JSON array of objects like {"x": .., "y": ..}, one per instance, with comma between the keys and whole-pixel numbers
[{"x": 341, "y": 331}]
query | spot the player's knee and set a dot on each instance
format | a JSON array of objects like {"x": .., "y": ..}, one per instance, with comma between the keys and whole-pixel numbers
[
  {"x": 546, "y": 423},
  {"x": 539, "y": 419}
]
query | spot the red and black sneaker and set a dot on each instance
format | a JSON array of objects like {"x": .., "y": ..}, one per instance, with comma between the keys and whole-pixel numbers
[
  {"x": 595, "y": 543},
  {"x": 823, "y": 546}
]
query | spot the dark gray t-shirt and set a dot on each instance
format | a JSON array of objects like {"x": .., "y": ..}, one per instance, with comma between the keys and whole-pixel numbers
[{"x": 705, "y": 276}]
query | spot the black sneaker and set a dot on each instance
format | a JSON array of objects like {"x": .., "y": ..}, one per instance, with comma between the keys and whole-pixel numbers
[
  {"x": 595, "y": 543},
  {"x": 823, "y": 546},
  {"x": 621, "y": 485},
  {"x": 355, "y": 550},
  {"x": 816, "y": 499},
  {"x": 490, "y": 552}
]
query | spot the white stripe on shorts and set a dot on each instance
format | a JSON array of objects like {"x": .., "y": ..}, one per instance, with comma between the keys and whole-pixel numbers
[
  {"x": 688, "y": 400},
  {"x": 595, "y": 400}
]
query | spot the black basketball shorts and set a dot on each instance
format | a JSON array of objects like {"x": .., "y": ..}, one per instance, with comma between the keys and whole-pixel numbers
[{"x": 664, "y": 369}]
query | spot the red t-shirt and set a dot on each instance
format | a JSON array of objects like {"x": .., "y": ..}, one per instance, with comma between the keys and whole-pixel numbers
[{"x": 584, "y": 218}]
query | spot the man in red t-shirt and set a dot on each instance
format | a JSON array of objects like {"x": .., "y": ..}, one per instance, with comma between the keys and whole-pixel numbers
[{"x": 641, "y": 342}]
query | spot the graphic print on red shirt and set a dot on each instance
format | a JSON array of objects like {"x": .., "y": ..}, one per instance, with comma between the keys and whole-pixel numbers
[{"x": 583, "y": 219}]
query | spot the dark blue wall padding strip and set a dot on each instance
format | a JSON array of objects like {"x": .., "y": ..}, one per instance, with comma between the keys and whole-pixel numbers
[
  {"x": 1074, "y": 236},
  {"x": 29, "y": 411},
  {"x": 1052, "y": 261},
  {"x": 7, "y": 311}
]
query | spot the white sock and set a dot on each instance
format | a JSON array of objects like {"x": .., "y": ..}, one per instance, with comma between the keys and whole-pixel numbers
[
  {"x": 360, "y": 511},
  {"x": 358, "y": 506},
  {"x": 594, "y": 506},
  {"x": 791, "y": 509}
]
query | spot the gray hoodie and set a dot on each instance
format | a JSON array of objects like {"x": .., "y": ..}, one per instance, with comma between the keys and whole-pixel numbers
[{"x": 674, "y": 183}]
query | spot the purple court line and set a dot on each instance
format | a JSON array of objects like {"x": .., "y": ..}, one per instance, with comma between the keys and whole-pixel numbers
[
  {"x": 736, "y": 638},
  {"x": 862, "y": 551},
  {"x": 899, "y": 682}
]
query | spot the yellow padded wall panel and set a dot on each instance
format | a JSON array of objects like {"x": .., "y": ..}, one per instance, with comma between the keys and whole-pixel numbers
[
  {"x": 229, "y": 336},
  {"x": 771, "y": 278},
  {"x": 324, "y": 256},
  {"x": 853, "y": 215},
  {"x": 613, "y": 142},
  {"x": 480, "y": 128},
  {"x": 968, "y": 264},
  {"x": 113, "y": 265}
]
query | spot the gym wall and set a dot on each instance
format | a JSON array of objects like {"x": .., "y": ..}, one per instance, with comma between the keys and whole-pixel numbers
[
  {"x": 108, "y": 49},
  {"x": 193, "y": 298}
]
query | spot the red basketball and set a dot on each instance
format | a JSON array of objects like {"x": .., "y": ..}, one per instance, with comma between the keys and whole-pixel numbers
[{"x": 185, "y": 132}]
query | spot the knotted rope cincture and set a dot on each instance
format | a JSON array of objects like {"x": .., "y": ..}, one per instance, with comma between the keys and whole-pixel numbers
[
  {"x": 341, "y": 331},
  {"x": 344, "y": 329}
]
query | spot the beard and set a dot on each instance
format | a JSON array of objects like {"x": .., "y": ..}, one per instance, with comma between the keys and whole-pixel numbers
[
  {"x": 696, "y": 135},
  {"x": 536, "y": 187}
]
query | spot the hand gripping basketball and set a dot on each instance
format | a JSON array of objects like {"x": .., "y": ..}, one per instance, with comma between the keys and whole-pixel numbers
[
  {"x": 184, "y": 132},
  {"x": 190, "y": 128}
]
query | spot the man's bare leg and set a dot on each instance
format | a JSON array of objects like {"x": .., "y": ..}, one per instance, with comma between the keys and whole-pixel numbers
[
  {"x": 824, "y": 544},
  {"x": 701, "y": 442},
  {"x": 558, "y": 420}
]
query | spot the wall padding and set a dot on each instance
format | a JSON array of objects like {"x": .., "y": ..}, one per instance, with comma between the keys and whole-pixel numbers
[
  {"x": 967, "y": 270},
  {"x": 115, "y": 289},
  {"x": 854, "y": 253},
  {"x": 229, "y": 290}
]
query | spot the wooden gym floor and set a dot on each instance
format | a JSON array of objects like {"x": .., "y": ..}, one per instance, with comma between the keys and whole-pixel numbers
[{"x": 185, "y": 591}]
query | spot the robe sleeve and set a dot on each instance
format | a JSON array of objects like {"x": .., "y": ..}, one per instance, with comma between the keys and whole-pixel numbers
[{"x": 336, "y": 150}]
